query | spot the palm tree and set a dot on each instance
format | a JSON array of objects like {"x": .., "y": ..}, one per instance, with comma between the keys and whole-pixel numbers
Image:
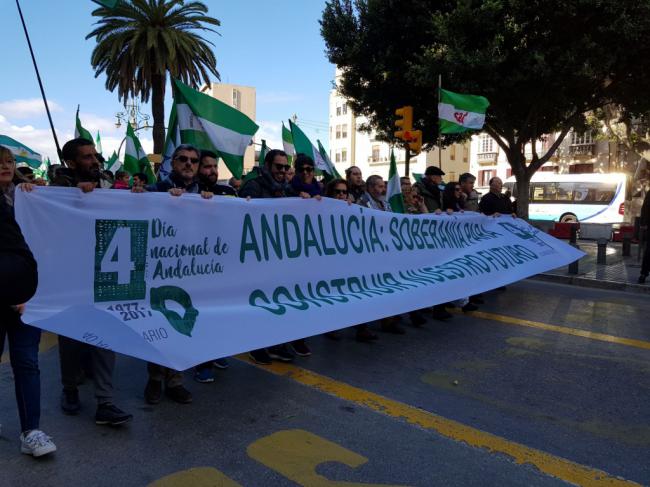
[{"x": 140, "y": 41}]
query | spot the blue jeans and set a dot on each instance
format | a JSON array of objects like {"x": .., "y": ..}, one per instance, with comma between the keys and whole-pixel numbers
[{"x": 23, "y": 353}]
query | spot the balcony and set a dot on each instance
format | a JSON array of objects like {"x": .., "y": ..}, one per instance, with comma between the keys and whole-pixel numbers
[
  {"x": 582, "y": 150},
  {"x": 487, "y": 158},
  {"x": 377, "y": 160}
]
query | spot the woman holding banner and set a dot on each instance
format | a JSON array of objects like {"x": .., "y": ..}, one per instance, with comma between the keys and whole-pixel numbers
[{"x": 19, "y": 278}]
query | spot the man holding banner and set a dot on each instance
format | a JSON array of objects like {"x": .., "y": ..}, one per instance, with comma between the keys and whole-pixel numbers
[{"x": 83, "y": 172}]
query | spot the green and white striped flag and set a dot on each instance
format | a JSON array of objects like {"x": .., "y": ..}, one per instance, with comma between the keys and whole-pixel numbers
[
  {"x": 79, "y": 131},
  {"x": 135, "y": 158},
  {"x": 211, "y": 124},
  {"x": 460, "y": 113},
  {"x": 21, "y": 152},
  {"x": 394, "y": 189},
  {"x": 304, "y": 146},
  {"x": 263, "y": 151},
  {"x": 98, "y": 143},
  {"x": 41, "y": 171},
  {"x": 172, "y": 141},
  {"x": 113, "y": 164},
  {"x": 287, "y": 142}
]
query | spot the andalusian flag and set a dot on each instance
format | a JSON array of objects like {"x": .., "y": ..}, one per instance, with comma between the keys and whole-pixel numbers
[
  {"x": 21, "y": 152},
  {"x": 394, "y": 189},
  {"x": 107, "y": 3},
  {"x": 211, "y": 124},
  {"x": 287, "y": 142},
  {"x": 461, "y": 113},
  {"x": 172, "y": 141},
  {"x": 135, "y": 158},
  {"x": 304, "y": 146},
  {"x": 98, "y": 143},
  {"x": 113, "y": 164},
  {"x": 79, "y": 131},
  {"x": 41, "y": 171}
]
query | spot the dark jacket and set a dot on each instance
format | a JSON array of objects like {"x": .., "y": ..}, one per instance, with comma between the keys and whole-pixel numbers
[
  {"x": 263, "y": 186},
  {"x": 68, "y": 177},
  {"x": 431, "y": 194},
  {"x": 216, "y": 189},
  {"x": 450, "y": 202},
  {"x": 356, "y": 192},
  {"x": 296, "y": 186},
  {"x": 18, "y": 271},
  {"x": 493, "y": 203},
  {"x": 173, "y": 181}
]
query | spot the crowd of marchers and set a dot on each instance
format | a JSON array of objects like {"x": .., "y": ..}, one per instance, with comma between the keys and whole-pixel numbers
[{"x": 192, "y": 171}]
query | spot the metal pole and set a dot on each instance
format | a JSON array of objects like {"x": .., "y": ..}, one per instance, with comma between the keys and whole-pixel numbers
[
  {"x": 40, "y": 84},
  {"x": 439, "y": 135}
]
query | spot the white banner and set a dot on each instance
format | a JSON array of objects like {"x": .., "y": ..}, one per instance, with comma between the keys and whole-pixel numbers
[{"x": 180, "y": 281}]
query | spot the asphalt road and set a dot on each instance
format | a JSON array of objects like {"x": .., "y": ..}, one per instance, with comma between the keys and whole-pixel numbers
[{"x": 547, "y": 385}]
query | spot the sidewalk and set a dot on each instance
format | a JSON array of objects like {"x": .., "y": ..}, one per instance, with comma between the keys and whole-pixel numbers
[{"x": 619, "y": 272}]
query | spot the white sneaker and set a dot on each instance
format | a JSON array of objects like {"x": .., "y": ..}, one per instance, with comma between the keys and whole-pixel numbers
[{"x": 36, "y": 443}]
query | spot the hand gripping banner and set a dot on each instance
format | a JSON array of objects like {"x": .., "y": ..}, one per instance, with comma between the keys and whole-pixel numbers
[{"x": 182, "y": 280}]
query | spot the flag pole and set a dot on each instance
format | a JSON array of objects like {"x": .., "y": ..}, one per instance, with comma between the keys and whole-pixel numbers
[
  {"x": 439, "y": 135},
  {"x": 40, "y": 84}
]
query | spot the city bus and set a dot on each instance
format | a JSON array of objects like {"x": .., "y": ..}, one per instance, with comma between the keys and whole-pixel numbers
[{"x": 593, "y": 198}]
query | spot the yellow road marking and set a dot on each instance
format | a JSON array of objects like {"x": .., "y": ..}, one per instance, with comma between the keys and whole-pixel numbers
[
  {"x": 196, "y": 477},
  {"x": 549, "y": 464},
  {"x": 510, "y": 320},
  {"x": 296, "y": 454}
]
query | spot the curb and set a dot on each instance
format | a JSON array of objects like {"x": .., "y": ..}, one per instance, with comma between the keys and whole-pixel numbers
[{"x": 593, "y": 283}]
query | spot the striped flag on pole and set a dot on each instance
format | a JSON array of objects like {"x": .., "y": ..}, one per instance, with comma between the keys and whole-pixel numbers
[
  {"x": 211, "y": 124},
  {"x": 394, "y": 190},
  {"x": 287, "y": 142},
  {"x": 21, "y": 152},
  {"x": 172, "y": 141},
  {"x": 460, "y": 113},
  {"x": 135, "y": 158},
  {"x": 304, "y": 146}
]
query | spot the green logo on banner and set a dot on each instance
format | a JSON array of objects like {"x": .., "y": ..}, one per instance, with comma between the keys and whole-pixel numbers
[
  {"x": 120, "y": 259},
  {"x": 182, "y": 324}
]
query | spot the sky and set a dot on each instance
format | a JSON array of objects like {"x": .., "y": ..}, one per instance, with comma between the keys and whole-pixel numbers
[{"x": 275, "y": 47}]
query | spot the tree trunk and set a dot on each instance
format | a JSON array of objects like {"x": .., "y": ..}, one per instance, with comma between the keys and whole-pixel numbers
[
  {"x": 158, "y": 112},
  {"x": 523, "y": 195}
]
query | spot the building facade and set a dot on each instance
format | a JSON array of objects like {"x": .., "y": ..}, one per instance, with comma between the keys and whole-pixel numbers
[
  {"x": 243, "y": 98},
  {"x": 349, "y": 146}
]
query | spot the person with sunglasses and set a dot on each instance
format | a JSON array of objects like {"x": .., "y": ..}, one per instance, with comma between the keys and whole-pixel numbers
[
  {"x": 452, "y": 199},
  {"x": 182, "y": 179},
  {"x": 269, "y": 181},
  {"x": 304, "y": 183}
]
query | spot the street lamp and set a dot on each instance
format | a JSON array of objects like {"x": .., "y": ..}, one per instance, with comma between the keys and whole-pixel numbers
[{"x": 134, "y": 116}]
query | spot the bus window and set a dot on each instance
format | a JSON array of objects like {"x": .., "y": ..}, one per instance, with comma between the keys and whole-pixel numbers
[
  {"x": 565, "y": 191},
  {"x": 543, "y": 192}
]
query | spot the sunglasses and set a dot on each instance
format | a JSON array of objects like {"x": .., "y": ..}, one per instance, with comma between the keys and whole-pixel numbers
[
  {"x": 307, "y": 169},
  {"x": 184, "y": 159},
  {"x": 340, "y": 191},
  {"x": 282, "y": 167}
]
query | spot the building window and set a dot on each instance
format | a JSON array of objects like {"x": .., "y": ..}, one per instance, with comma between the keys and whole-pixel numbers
[
  {"x": 375, "y": 153},
  {"x": 465, "y": 153},
  {"x": 344, "y": 108},
  {"x": 452, "y": 153},
  {"x": 486, "y": 144},
  {"x": 338, "y": 111},
  {"x": 508, "y": 172},
  {"x": 236, "y": 98},
  {"x": 338, "y": 131},
  {"x": 344, "y": 155},
  {"x": 452, "y": 177},
  {"x": 344, "y": 131},
  {"x": 581, "y": 138},
  {"x": 485, "y": 176},
  {"x": 338, "y": 156}
]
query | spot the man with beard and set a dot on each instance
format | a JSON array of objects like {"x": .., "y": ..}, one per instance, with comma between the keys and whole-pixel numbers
[
  {"x": 83, "y": 172},
  {"x": 208, "y": 176}
]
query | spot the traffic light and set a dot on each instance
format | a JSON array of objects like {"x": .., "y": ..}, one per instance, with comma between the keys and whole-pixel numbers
[
  {"x": 415, "y": 142},
  {"x": 405, "y": 123}
]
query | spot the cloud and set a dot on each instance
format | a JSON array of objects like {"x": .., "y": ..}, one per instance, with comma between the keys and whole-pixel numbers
[
  {"x": 278, "y": 97},
  {"x": 19, "y": 109},
  {"x": 270, "y": 131}
]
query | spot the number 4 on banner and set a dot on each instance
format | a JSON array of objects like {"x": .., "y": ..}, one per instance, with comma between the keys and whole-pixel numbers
[{"x": 118, "y": 256}]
